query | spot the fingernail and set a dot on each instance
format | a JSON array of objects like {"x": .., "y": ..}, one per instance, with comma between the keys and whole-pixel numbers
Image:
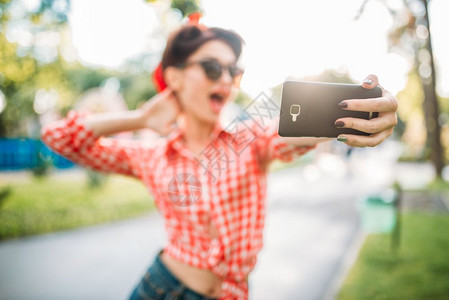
[
  {"x": 342, "y": 139},
  {"x": 343, "y": 104},
  {"x": 368, "y": 81},
  {"x": 339, "y": 124}
]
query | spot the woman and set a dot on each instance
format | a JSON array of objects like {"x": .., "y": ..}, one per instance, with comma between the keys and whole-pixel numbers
[{"x": 215, "y": 222}]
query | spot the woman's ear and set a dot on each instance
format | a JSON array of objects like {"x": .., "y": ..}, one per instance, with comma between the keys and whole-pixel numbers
[
  {"x": 172, "y": 77},
  {"x": 237, "y": 81}
]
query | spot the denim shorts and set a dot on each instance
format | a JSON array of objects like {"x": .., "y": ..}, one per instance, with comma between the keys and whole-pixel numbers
[{"x": 159, "y": 283}]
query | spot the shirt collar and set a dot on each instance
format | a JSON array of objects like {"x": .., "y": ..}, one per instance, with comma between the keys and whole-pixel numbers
[{"x": 174, "y": 139}]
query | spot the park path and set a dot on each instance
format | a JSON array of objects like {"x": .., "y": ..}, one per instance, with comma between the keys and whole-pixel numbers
[{"x": 311, "y": 226}]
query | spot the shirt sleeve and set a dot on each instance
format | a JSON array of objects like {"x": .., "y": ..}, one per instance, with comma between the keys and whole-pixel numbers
[
  {"x": 271, "y": 146},
  {"x": 71, "y": 139}
]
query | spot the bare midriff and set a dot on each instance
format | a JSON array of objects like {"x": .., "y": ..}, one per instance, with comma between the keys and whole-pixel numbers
[{"x": 201, "y": 281}]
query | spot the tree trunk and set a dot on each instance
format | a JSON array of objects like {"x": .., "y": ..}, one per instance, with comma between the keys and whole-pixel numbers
[
  {"x": 2, "y": 127},
  {"x": 431, "y": 107}
]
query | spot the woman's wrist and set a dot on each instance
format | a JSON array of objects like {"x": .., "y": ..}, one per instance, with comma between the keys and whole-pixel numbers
[
  {"x": 150, "y": 118},
  {"x": 138, "y": 118},
  {"x": 145, "y": 120}
]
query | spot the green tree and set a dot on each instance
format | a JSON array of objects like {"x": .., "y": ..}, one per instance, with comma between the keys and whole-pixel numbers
[
  {"x": 186, "y": 7},
  {"x": 30, "y": 60},
  {"x": 411, "y": 36}
]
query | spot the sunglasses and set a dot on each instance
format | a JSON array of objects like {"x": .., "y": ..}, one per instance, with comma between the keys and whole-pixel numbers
[{"x": 214, "y": 69}]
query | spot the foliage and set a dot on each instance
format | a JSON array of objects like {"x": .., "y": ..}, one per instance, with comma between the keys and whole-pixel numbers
[
  {"x": 410, "y": 36},
  {"x": 4, "y": 193},
  {"x": 243, "y": 99},
  {"x": 29, "y": 69},
  {"x": 95, "y": 179},
  {"x": 410, "y": 111},
  {"x": 137, "y": 88},
  {"x": 83, "y": 78},
  {"x": 29, "y": 58},
  {"x": 39, "y": 205},
  {"x": 43, "y": 167},
  {"x": 186, "y": 7},
  {"x": 419, "y": 271}
]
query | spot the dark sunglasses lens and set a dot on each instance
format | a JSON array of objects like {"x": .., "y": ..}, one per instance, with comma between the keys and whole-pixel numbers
[
  {"x": 212, "y": 69},
  {"x": 235, "y": 71}
]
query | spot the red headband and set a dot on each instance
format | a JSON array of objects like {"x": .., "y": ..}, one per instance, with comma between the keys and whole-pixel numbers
[{"x": 158, "y": 74}]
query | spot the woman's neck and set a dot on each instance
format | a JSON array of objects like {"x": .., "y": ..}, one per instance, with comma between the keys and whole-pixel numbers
[{"x": 196, "y": 134}]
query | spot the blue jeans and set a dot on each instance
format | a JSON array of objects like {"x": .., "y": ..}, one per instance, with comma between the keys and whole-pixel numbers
[{"x": 159, "y": 283}]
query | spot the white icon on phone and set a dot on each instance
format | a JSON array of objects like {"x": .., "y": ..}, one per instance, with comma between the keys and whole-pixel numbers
[{"x": 295, "y": 110}]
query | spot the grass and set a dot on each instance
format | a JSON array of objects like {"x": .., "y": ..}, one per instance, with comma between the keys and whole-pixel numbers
[
  {"x": 439, "y": 185},
  {"x": 420, "y": 269},
  {"x": 33, "y": 206}
]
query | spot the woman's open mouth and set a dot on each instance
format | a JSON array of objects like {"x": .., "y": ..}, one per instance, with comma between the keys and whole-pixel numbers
[{"x": 217, "y": 101}]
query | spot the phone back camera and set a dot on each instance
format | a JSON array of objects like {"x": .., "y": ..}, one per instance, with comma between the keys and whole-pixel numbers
[{"x": 295, "y": 110}]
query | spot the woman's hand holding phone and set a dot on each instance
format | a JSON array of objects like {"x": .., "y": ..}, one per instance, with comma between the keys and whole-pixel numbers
[
  {"x": 357, "y": 115},
  {"x": 379, "y": 128}
]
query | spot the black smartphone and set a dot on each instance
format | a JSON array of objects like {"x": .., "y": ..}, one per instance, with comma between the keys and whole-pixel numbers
[{"x": 310, "y": 109}]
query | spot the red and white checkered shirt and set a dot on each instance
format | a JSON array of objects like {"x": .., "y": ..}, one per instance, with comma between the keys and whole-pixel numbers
[{"x": 213, "y": 203}]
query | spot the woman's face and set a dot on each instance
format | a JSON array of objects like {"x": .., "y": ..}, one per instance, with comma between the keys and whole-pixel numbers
[{"x": 200, "y": 97}]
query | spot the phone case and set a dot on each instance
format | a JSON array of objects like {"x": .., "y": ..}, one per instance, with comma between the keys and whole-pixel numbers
[{"x": 310, "y": 109}]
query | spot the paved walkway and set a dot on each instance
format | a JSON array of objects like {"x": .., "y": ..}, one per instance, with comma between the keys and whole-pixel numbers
[{"x": 311, "y": 223}]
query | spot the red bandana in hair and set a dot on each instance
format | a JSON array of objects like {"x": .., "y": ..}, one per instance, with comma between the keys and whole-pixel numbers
[{"x": 158, "y": 74}]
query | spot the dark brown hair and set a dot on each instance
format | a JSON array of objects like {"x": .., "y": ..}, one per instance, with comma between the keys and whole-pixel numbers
[{"x": 189, "y": 38}]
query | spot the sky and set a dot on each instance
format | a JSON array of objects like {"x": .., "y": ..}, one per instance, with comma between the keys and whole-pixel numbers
[{"x": 283, "y": 38}]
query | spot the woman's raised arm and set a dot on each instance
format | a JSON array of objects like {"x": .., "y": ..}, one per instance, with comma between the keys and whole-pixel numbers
[{"x": 79, "y": 136}]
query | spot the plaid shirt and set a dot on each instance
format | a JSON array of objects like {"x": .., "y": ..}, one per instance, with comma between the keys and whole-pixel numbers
[{"x": 213, "y": 203}]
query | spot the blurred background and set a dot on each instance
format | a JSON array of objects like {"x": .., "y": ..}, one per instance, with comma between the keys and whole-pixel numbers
[{"x": 363, "y": 223}]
